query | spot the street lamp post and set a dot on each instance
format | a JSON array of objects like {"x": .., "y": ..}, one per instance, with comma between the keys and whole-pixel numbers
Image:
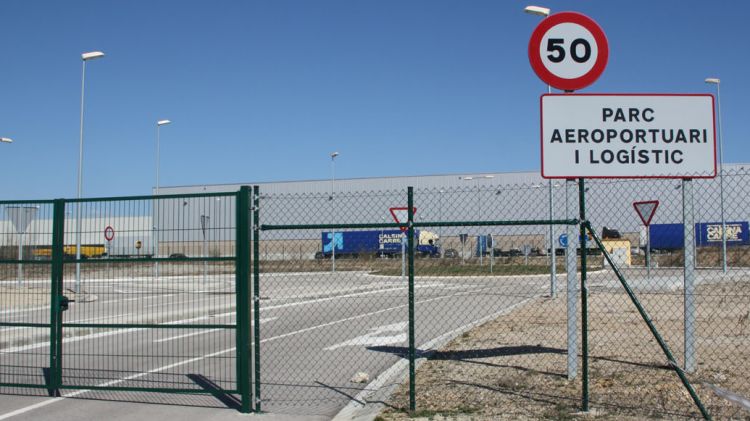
[
  {"x": 158, "y": 138},
  {"x": 544, "y": 12},
  {"x": 717, "y": 82},
  {"x": 156, "y": 201},
  {"x": 333, "y": 210},
  {"x": 93, "y": 55}
]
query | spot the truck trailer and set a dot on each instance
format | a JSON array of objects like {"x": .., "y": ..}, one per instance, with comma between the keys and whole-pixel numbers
[
  {"x": 668, "y": 237},
  {"x": 385, "y": 243}
]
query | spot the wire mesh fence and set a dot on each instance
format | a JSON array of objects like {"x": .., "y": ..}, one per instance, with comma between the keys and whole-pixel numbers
[
  {"x": 124, "y": 294},
  {"x": 25, "y": 290},
  {"x": 474, "y": 307},
  {"x": 491, "y": 325}
]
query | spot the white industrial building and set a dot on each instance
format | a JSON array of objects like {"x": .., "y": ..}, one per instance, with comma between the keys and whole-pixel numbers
[{"x": 447, "y": 197}]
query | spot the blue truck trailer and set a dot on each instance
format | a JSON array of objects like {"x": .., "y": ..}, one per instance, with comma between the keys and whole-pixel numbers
[
  {"x": 377, "y": 243},
  {"x": 707, "y": 234}
]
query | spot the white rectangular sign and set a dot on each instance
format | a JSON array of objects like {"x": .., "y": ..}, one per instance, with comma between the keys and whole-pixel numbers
[{"x": 628, "y": 136}]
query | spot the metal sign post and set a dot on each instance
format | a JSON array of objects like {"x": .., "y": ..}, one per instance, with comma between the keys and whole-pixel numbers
[
  {"x": 204, "y": 225},
  {"x": 491, "y": 246},
  {"x": 403, "y": 258},
  {"x": 463, "y": 238},
  {"x": 689, "y": 307},
  {"x": 571, "y": 269}
]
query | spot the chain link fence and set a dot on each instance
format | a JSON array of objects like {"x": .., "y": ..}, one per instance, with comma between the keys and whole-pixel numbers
[
  {"x": 471, "y": 304},
  {"x": 493, "y": 332}
]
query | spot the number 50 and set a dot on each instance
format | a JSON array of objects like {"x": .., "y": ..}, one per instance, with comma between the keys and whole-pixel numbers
[{"x": 556, "y": 47}]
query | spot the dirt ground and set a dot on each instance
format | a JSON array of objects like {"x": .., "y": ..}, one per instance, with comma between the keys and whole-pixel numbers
[{"x": 514, "y": 368}]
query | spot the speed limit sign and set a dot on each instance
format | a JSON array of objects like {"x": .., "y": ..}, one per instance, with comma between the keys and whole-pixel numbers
[{"x": 568, "y": 50}]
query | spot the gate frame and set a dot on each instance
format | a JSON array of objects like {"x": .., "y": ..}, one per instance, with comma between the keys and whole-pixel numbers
[{"x": 243, "y": 355}]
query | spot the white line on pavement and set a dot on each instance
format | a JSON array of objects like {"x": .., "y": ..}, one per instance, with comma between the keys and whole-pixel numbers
[
  {"x": 203, "y": 332},
  {"x": 124, "y": 331},
  {"x": 91, "y": 319},
  {"x": 29, "y": 408},
  {"x": 26, "y": 310},
  {"x": 155, "y": 370}
]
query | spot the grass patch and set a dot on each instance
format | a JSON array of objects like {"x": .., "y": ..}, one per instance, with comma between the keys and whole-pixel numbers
[{"x": 426, "y": 269}]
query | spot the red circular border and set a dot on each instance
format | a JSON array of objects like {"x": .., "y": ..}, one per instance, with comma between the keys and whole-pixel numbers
[
  {"x": 556, "y": 81},
  {"x": 109, "y": 229}
]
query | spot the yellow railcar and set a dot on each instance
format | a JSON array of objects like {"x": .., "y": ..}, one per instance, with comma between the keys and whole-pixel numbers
[{"x": 88, "y": 251}]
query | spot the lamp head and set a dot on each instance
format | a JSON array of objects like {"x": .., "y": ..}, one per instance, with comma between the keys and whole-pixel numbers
[
  {"x": 6, "y": 140},
  {"x": 92, "y": 55},
  {"x": 163, "y": 122},
  {"x": 713, "y": 80},
  {"x": 334, "y": 154},
  {"x": 537, "y": 10}
]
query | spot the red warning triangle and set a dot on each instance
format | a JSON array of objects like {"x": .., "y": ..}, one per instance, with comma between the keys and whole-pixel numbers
[
  {"x": 646, "y": 210},
  {"x": 401, "y": 215}
]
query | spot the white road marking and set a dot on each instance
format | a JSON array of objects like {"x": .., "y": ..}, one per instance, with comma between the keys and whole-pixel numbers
[
  {"x": 150, "y": 297},
  {"x": 125, "y": 331},
  {"x": 110, "y": 383},
  {"x": 320, "y": 300},
  {"x": 193, "y": 300},
  {"x": 368, "y": 287},
  {"x": 29, "y": 408},
  {"x": 203, "y": 332},
  {"x": 103, "y": 334},
  {"x": 98, "y": 318},
  {"x": 69, "y": 321},
  {"x": 348, "y": 319},
  {"x": 285, "y": 335},
  {"x": 375, "y": 337},
  {"x": 26, "y": 310}
]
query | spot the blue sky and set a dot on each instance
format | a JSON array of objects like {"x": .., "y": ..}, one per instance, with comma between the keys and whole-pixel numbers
[{"x": 264, "y": 90}]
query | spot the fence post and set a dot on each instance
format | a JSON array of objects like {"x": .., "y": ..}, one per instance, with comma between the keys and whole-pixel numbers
[
  {"x": 584, "y": 299},
  {"x": 242, "y": 291},
  {"x": 55, "y": 351},
  {"x": 256, "y": 292},
  {"x": 689, "y": 275},
  {"x": 410, "y": 250},
  {"x": 553, "y": 255},
  {"x": 572, "y": 276}
]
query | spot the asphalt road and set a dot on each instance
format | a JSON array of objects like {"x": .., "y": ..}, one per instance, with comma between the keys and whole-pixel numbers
[{"x": 318, "y": 331}]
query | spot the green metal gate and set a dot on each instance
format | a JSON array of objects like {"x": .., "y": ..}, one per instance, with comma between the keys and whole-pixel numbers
[{"x": 140, "y": 294}]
